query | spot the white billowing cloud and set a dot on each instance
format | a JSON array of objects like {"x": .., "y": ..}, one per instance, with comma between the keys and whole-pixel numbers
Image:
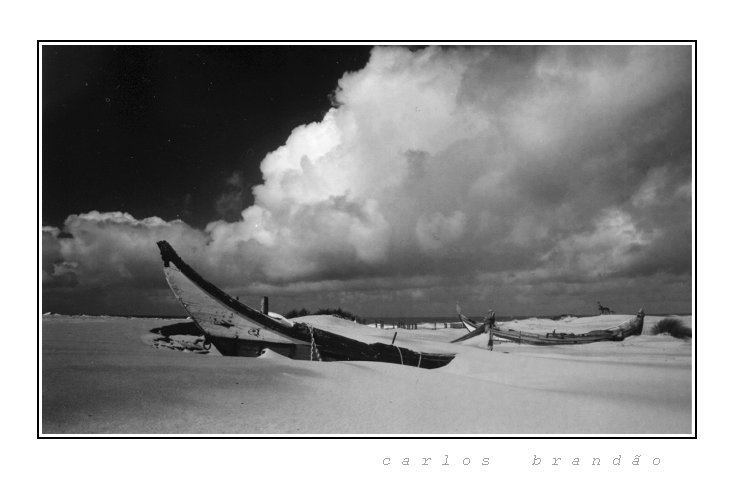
[
  {"x": 521, "y": 162},
  {"x": 350, "y": 190}
]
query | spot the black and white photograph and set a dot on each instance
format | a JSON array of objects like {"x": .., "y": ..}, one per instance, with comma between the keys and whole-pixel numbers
[{"x": 367, "y": 239}]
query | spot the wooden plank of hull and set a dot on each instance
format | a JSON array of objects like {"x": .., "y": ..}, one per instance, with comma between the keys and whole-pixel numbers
[
  {"x": 329, "y": 351},
  {"x": 215, "y": 319},
  {"x": 633, "y": 327},
  {"x": 336, "y": 347},
  {"x": 331, "y": 346},
  {"x": 251, "y": 348},
  {"x": 559, "y": 339}
]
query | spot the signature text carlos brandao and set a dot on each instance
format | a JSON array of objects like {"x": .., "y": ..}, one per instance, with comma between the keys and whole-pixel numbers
[{"x": 534, "y": 461}]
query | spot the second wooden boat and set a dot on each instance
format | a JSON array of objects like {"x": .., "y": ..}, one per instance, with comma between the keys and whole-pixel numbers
[{"x": 616, "y": 333}]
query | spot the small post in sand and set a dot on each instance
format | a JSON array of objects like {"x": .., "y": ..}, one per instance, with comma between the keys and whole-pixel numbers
[{"x": 489, "y": 328}]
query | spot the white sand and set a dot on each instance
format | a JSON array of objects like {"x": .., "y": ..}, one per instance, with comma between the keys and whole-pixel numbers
[{"x": 105, "y": 375}]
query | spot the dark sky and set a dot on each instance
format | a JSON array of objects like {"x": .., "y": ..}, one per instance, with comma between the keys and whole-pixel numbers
[{"x": 158, "y": 130}]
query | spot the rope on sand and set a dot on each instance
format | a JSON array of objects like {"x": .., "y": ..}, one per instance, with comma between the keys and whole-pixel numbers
[{"x": 314, "y": 348}]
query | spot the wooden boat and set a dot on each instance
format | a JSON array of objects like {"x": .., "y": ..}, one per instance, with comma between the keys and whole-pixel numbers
[
  {"x": 236, "y": 329},
  {"x": 616, "y": 333}
]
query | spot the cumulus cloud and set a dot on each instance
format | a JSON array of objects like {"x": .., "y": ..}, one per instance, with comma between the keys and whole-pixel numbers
[
  {"x": 458, "y": 167},
  {"x": 101, "y": 257}
]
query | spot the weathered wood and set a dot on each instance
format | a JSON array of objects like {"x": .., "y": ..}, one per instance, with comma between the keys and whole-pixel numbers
[
  {"x": 473, "y": 333},
  {"x": 214, "y": 318},
  {"x": 331, "y": 346},
  {"x": 618, "y": 333}
]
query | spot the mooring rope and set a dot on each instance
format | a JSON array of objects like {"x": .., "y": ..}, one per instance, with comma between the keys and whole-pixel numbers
[
  {"x": 419, "y": 359},
  {"x": 401, "y": 354},
  {"x": 314, "y": 348}
]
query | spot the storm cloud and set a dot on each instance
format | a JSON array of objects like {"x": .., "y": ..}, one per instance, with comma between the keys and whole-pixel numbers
[{"x": 531, "y": 180}]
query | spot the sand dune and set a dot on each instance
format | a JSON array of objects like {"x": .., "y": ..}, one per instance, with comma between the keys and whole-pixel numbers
[{"x": 112, "y": 375}]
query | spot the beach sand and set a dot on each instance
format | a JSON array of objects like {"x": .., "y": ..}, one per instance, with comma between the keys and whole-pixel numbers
[{"x": 111, "y": 375}]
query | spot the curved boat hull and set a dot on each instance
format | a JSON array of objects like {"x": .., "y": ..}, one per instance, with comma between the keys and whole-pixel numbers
[
  {"x": 236, "y": 329},
  {"x": 617, "y": 333}
]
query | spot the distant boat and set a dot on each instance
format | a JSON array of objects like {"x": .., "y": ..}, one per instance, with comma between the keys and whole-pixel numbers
[
  {"x": 236, "y": 329},
  {"x": 616, "y": 333}
]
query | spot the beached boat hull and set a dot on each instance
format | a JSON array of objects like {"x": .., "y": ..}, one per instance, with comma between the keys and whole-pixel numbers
[
  {"x": 617, "y": 333},
  {"x": 236, "y": 329}
]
